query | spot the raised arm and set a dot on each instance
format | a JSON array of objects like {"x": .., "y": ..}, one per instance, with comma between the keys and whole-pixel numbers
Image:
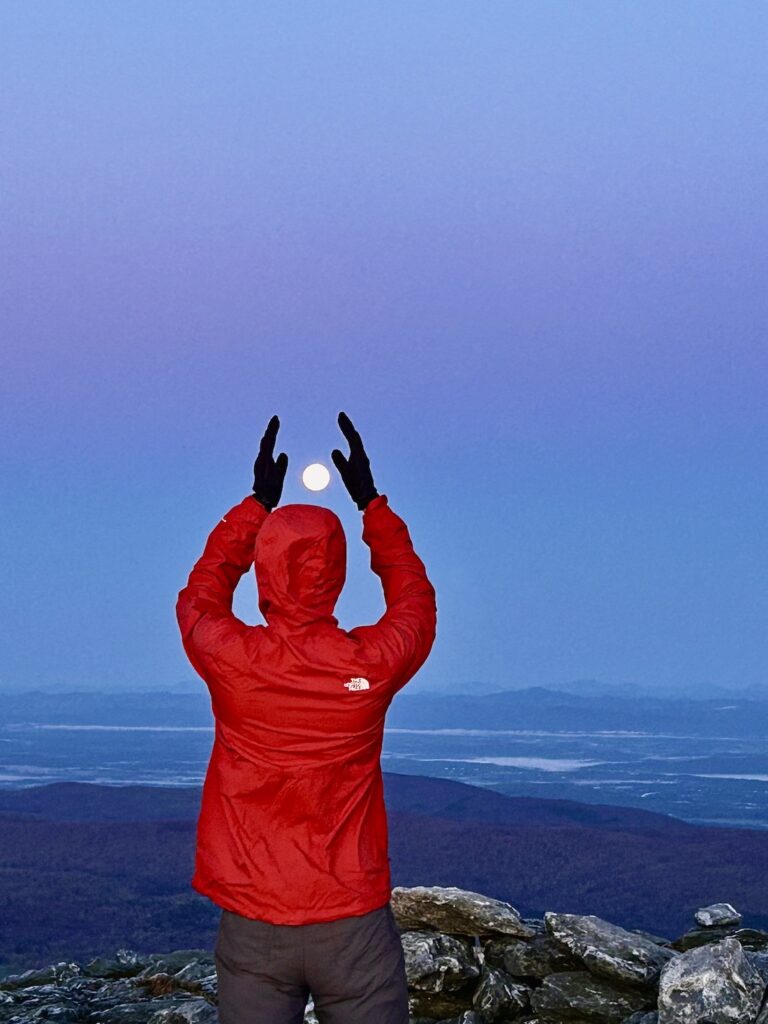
[
  {"x": 406, "y": 631},
  {"x": 204, "y": 606},
  {"x": 404, "y": 635}
]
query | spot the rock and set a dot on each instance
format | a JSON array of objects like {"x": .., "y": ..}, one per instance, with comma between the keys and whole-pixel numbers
[
  {"x": 580, "y": 995},
  {"x": 658, "y": 939},
  {"x": 437, "y": 963},
  {"x": 607, "y": 949},
  {"x": 469, "y": 959},
  {"x": 717, "y": 914},
  {"x": 750, "y": 938},
  {"x": 198, "y": 977},
  {"x": 43, "y": 976},
  {"x": 498, "y": 996},
  {"x": 434, "y": 1007},
  {"x": 759, "y": 961},
  {"x": 530, "y": 959},
  {"x": 536, "y": 924},
  {"x": 179, "y": 959},
  {"x": 125, "y": 963},
  {"x": 45, "y": 1002},
  {"x": 105, "y": 994},
  {"x": 131, "y": 1013},
  {"x": 196, "y": 971},
  {"x": 157, "y": 984},
  {"x": 455, "y": 911},
  {"x": 714, "y": 983},
  {"x": 193, "y": 1011}
]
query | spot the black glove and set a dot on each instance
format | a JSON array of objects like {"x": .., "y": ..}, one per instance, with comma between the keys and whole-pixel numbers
[
  {"x": 355, "y": 471},
  {"x": 269, "y": 473}
]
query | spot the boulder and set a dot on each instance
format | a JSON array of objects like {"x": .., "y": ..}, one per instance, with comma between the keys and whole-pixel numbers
[
  {"x": 498, "y": 997},
  {"x": 60, "y": 972},
  {"x": 711, "y": 984},
  {"x": 582, "y": 996},
  {"x": 437, "y": 963},
  {"x": 759, "y": 961},
  {"x": 608, "y": 950},
  {"x": 530, "y": 958},
  {"x": 433, "y": 1007},
  {"x": 717, "y": 914},
  {"x": 455, "y": 911},
  {"x": 193, "y": 1011},
  {"x": 123, "y": 964},
  {"x": 750, "y": 938}
]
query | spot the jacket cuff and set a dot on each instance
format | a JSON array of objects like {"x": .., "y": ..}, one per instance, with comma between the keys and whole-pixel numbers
[
  {"x": 380, "y": 501},
  {"x": 249, "y": 509}
]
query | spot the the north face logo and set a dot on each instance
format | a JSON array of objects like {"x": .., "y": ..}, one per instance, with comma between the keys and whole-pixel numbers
[{"x": 357, "y": 683}]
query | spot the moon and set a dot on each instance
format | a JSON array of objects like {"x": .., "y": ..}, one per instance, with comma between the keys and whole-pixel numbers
[{"x": 316, "y": 477}]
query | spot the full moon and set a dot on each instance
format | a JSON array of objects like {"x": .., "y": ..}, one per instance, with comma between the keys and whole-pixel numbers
[{"x": 316, "y": 477}]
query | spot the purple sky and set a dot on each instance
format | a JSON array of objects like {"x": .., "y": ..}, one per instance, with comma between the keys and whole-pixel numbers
[{"x": 522, "y": 245}]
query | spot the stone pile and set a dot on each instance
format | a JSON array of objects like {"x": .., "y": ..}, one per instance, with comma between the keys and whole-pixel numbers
[{"x": 470, "y": 959}]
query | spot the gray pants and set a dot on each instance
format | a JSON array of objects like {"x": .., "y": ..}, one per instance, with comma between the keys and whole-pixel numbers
[{"x": 353, "y": 967}]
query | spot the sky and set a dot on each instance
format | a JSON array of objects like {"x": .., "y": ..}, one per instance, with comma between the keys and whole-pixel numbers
[{"x": 523, "y": 245}]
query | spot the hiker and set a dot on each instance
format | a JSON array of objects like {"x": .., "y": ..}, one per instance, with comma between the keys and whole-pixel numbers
[{"x": 292, "y": 839}]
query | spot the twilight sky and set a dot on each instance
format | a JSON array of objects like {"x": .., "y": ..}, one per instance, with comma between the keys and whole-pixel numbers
[{"x": 523, "y": 245}]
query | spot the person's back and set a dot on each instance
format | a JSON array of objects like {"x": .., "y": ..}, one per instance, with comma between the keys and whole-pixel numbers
[{"x": 293, "y": 828}]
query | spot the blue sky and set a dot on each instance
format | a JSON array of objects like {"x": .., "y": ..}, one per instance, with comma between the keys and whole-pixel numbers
[{"x": 522, "y": 245}]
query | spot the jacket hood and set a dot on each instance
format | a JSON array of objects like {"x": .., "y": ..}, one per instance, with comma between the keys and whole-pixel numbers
[{"x": 300, "y": 562}]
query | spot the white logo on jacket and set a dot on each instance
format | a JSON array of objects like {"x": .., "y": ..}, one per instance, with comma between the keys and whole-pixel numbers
[{"x": 357, "y": 683}]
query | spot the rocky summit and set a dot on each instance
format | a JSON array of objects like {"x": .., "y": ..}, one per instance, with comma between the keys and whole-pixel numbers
[{"x": 470, "y": 959}]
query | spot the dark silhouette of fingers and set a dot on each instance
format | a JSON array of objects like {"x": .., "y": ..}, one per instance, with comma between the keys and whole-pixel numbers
[
  {"x": 352, "y": 436},
  {"x": 268, "y": 440}
]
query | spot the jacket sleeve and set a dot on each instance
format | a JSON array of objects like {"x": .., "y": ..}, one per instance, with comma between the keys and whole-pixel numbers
[
  {"x": 204, "y": 606},
  {"x": 403, "y": 637}
]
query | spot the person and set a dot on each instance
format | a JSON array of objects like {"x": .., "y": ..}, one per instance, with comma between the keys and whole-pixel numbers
[{"x": 292, "y": 836}]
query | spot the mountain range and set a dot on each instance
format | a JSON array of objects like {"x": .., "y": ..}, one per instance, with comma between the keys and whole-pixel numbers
[{"x": 535, "y": 707}]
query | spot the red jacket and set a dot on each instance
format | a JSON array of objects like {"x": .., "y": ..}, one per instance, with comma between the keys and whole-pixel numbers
[{"x": 292, "y": 826}]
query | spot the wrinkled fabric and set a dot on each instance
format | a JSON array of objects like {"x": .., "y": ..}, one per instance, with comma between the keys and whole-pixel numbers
[
  {"x": 292, "y": 826},
  {"x": 353, "y": 968}
]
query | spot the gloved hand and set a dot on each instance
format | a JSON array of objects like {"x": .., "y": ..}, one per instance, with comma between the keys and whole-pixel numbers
[
  {"x": 269, "y": 473},
  {"x": 355, "y": 471}
]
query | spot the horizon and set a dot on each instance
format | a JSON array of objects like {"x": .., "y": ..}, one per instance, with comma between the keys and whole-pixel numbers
[{"x": 574, "y": 688}]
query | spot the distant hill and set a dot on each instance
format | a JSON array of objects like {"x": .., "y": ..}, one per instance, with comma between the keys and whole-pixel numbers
[
  {"x": 541, "y": 709},
  {"x": 535, "y": 707},
  {"x": 412, "y": 794},
  {"x": 458, "y": 801},
  {"x": 86, "y": 867},
  {"x": 589, "y": 687},
  {"x": 598, "y": 688}
]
